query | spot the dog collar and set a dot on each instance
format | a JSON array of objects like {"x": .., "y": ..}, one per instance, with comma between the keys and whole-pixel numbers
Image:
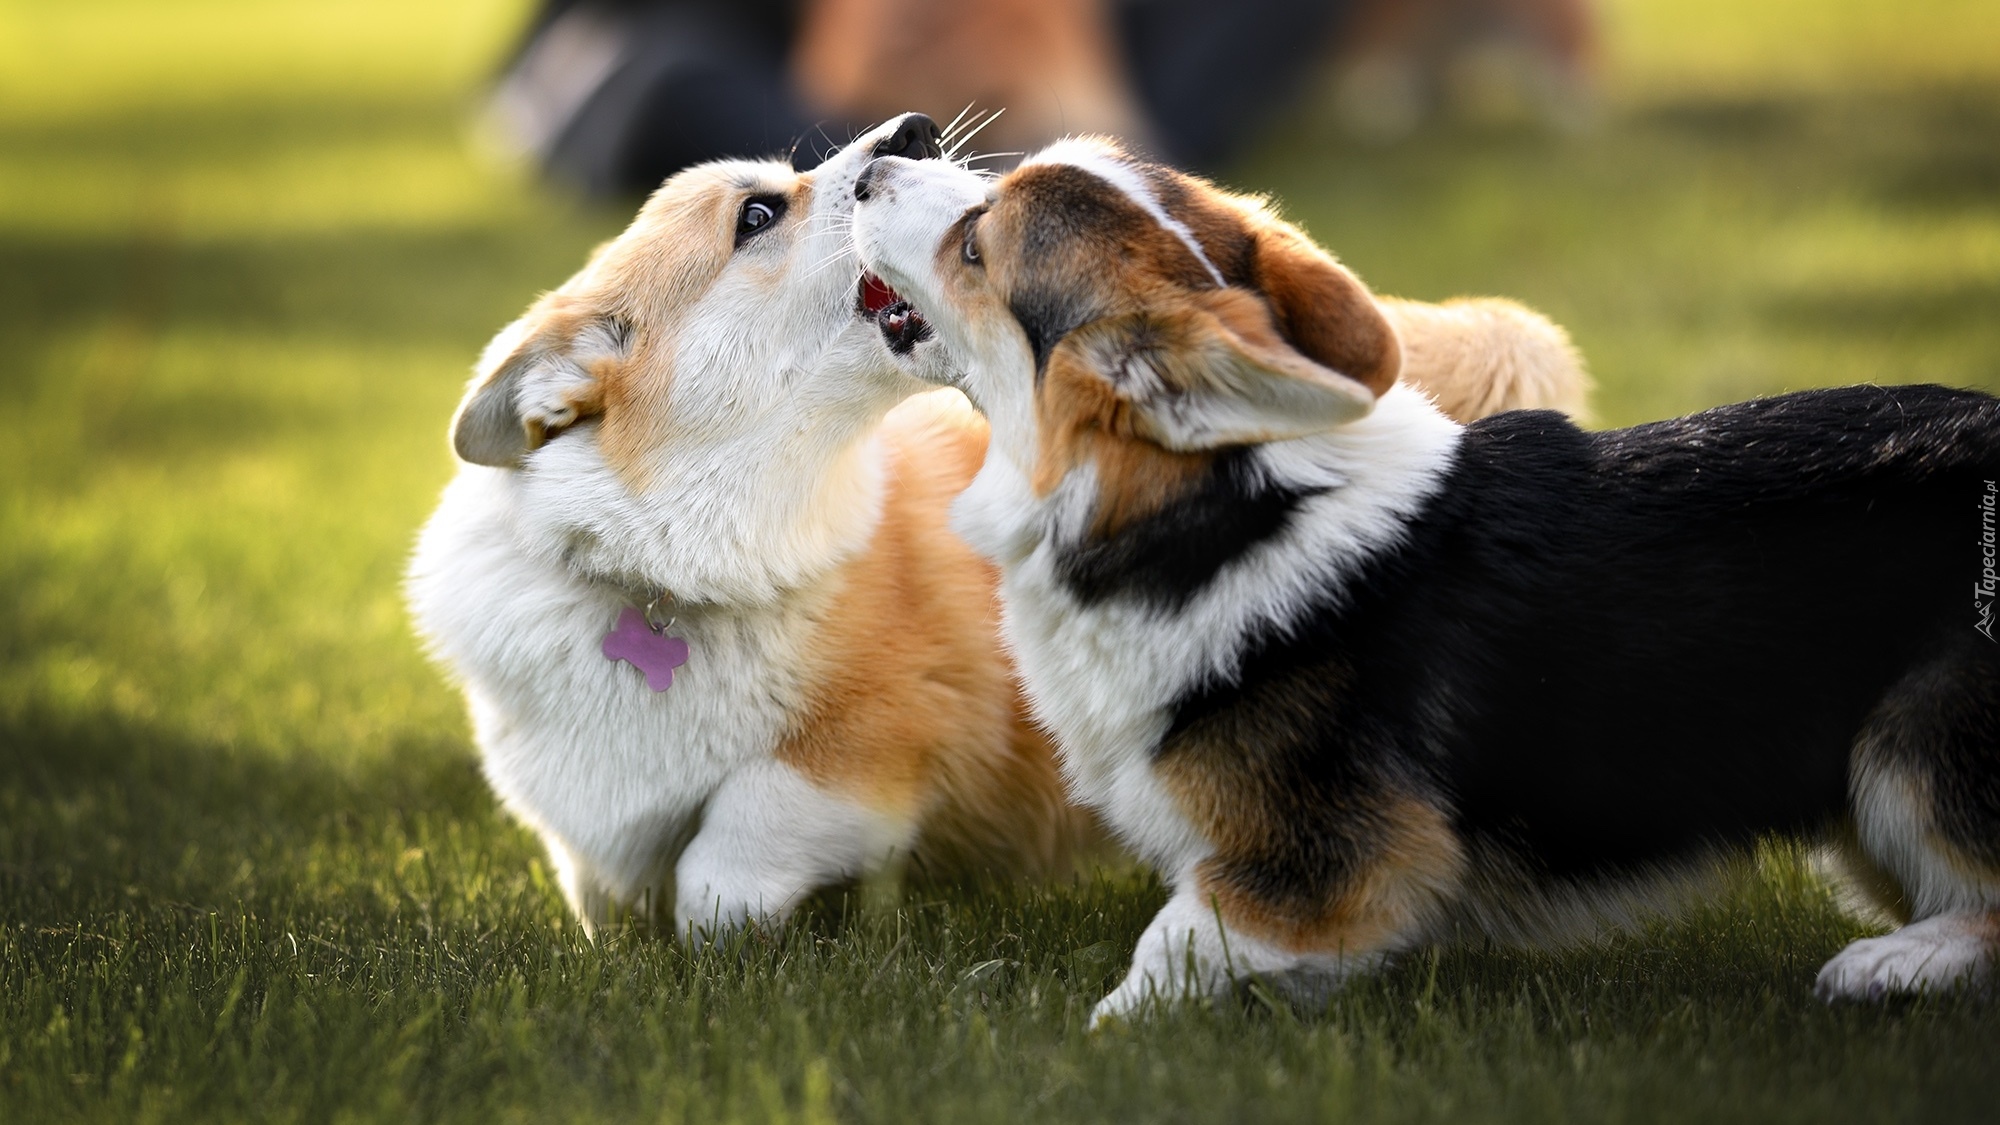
[{"x": 640, "y": 639}]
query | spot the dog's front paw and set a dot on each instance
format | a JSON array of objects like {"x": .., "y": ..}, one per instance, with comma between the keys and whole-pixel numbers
[
  {"x": 1125, "y": 1005},
  {"x": 705, "y": 917},
  {"x": 1928, "y": 956}
]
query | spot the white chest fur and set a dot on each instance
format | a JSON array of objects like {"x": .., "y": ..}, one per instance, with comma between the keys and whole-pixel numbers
[
  {"x": 1104, "y": 676},
  {"x": 613, "y": 775}
]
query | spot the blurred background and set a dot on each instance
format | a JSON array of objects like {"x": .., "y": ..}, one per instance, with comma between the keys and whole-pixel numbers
[
  {"x": 249, "y": 248},
  {"x": 612, "y": 95}
]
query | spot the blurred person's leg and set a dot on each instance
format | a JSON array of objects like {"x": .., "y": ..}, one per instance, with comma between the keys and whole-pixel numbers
[
  {"x": 1401, "y": 61},
  {"x": 1054, "y": 66},
  {"x": 612, "y": 96},
  {"x": 1212, "y": 73}
]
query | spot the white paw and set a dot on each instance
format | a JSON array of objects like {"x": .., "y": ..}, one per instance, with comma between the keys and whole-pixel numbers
[
  {"x": 1182, "y": 955},
  {"x": 1156, "y": 983},
  {"x": 706, "y": 918},
  {"x": 1185, "y": 955},
  {"x": 1928, "y": 956},
  {"x": 1122, "y": 1006}
]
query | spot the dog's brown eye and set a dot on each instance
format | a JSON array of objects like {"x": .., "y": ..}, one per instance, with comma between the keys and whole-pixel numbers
[
  {"x": 758, "y": 213},
  {"x": 970, "y": 251}
]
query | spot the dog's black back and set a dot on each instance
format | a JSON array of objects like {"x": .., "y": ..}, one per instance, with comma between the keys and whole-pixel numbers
[{"x": 1604, "y": 652}]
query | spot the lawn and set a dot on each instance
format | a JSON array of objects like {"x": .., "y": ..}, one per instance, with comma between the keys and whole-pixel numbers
[{"x": 248, "y": 868}]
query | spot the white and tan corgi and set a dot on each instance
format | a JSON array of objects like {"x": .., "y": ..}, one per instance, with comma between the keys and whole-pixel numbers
[
  {"x": 696, "y": 422},
  {"x": 701, "y": 430},
  {"x": 1355, "y": 678}
]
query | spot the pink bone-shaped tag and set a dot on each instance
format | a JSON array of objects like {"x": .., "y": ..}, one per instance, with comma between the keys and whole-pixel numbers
[{"x": 655, "y": 654}]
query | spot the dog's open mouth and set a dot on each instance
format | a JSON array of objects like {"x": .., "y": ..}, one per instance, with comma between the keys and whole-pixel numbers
[{"x": 903, "y": 327}]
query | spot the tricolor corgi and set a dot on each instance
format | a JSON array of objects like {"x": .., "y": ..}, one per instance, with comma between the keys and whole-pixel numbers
[
  {"x": 719, "y": 646},
  {"x": 1356, "y": 678}
]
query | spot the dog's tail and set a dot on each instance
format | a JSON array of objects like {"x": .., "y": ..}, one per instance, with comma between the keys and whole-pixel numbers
[{"x": 1480, "y": 356}]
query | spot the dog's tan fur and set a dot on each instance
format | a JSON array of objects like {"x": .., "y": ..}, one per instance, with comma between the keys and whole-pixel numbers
[
  {"x": 912, "y": 705},
  {"x": 1414, "y": 860},
  {"x": 1480, "y": 356}
]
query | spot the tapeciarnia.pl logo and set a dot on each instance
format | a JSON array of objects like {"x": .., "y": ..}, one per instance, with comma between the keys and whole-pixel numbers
[{"x": 1984, "y": 590}]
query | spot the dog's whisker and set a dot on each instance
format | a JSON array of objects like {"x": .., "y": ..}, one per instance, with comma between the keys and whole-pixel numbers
[
  {"x": 955, "y": 144},
  {"x": 831, "y": 144},
  {"x": 815, "y": 273},
  {"x": 832, "y": 256},
  {"x": 975, "y": 131},
  {"x": 952, "y": 144},
  {"x": 945, "y": 134},
  {"x": 828, "y": 262}
]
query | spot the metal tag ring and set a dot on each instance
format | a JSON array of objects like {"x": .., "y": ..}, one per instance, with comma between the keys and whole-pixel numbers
[{"x": 663, "y": 604}]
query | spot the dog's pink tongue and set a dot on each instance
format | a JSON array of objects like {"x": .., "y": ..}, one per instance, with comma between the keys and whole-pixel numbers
[{"x": 876, "y": 294}]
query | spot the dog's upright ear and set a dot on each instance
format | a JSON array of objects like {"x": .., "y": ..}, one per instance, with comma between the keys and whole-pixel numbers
[
  {"x": 1322, "y": 309},
  {"x": 541, "y": 375},
  {"x": 1208, "y": 372}
]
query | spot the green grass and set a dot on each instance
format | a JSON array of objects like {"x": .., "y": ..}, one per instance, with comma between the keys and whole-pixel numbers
[{"x": 248, "y": 869}]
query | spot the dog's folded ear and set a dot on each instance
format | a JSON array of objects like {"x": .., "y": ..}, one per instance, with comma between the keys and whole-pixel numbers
[
  {"x": 540, "y": 375},
  {"x": 1322, "y": 309},
  {"x": 1210, "y": 372}
]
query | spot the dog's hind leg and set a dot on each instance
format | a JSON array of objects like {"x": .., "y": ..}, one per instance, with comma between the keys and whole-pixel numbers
[{"x": 1926, "y": 793}]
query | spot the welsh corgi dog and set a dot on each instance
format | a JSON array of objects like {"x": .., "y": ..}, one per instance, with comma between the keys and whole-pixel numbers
[
  {"x": 688, "y": 453},
  {"x": 1356, "y": 678},
  {"x": 719, "y": 647}
]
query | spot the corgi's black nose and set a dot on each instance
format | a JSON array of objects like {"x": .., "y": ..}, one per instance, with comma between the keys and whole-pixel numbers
[{"x": 917, "y": 138}]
